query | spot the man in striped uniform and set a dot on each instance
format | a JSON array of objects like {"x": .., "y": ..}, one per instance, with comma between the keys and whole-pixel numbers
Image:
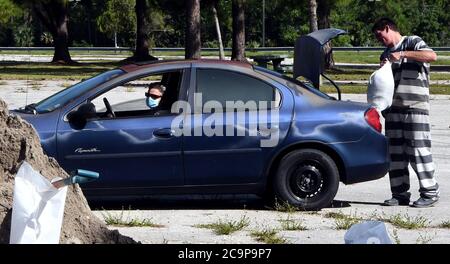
[{"x": 407, "y": 120}]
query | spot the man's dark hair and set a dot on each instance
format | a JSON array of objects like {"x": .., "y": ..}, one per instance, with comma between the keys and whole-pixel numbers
[
  {"x": 158, "y": 86},
  {"x": 381, "y": 23}
]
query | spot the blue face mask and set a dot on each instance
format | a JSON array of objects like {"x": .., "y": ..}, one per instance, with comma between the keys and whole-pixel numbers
[{"x": 152, "y": 103}]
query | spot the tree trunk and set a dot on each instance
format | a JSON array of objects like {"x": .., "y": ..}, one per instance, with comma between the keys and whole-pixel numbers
[
  {"x": 312, "y": 5},
  {"x": 238, "y": 52},
  {"x": 323, "y": 12},
  {"x": 193, "y": 40},
  {"x": 54, "y": 16},
  {"x": 219, "y": 35},
  {"x": 142, "y": 32},
  {"x": 61, "y": 42}
]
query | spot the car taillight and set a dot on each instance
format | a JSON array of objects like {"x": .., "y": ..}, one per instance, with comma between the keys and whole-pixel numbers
[{"x": 373, "y": 119}]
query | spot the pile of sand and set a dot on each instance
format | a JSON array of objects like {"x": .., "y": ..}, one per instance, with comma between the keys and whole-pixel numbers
[{"x": 19, "y": 142}]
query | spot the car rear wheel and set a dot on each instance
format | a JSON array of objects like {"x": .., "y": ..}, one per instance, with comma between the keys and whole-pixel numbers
[{"x": 307, "y": 178}]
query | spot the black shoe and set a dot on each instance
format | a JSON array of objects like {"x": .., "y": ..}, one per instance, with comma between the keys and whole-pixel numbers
[
  {"x": 423, "y": 202},
  {"x": 394, "y": 201}
]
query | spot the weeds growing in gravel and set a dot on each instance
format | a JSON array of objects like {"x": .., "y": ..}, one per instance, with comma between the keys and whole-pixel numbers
[
  {"x": 268, "y": 236},
  {"x": 121, "y": 220},
  {"x": 445, "y": 224},
  {"x": 292, "y": 224},
  {"x": 222, "y": 227},
  {"x": 406, "y": 221},
  {"x": 343, "y": 221}
]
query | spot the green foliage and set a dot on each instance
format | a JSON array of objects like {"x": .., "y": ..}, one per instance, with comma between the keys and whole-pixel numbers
[
  {"x": 11, "y": 17},
  {"x": 118, "y": 18},
  {"x": 426, "y": 18},
  {"x": 8, "y": 11},
  {"x": 285, "y": 21},
  {"x": 47, "y": 38},
  {"x": 431, "y": 23},
  {"x": 23, "y": 36},
  {"x": 156, "y": 24}
]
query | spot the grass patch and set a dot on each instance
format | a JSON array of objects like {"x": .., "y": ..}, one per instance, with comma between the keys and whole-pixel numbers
[
  {"x": 362, "y": 89},
  {"x": 357, "y": 57},
  {"x": 445, "y": 224},
  {"x": 407, "y": 222},
  {"x": 66, "y": 84},
  {"x": 49, "y": 71},
  {"x": 72, "y": 52},
  {"x": 439, "y": 89},
  {"x": 76, "y": 72},
  {"x": 364, "y": 75},
  {"x": 425, "y": 238},
  {"x": 335, "y": 215},
  {"x": 120, "y": 220},
  {"x": 339, "y": 56},
  {"x": 343, "y": 221},
  {"x": 395, "y": 237},
  {"x": 374, "y": 57},
  {"x": 226, "y": 227},
  {"x": 292, "y": 224},
  {"x": 285, "y": 207},
  {"x": 35, "y": 85},
  {"x": 130, "y": 89},
  {"x": 268, "y": 236}
]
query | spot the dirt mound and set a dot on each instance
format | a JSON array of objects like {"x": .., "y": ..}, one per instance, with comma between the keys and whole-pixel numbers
[{"x": 19, "y": 142}]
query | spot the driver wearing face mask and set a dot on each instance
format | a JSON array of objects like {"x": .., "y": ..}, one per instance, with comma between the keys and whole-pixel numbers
[{"x": 154, "y": 94}]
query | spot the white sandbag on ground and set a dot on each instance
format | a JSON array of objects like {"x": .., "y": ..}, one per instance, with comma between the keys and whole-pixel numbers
[{"x": 38, "y": 208}]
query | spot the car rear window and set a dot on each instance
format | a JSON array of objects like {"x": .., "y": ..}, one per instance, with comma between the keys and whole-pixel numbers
[
  {"x": 227, "y": 86},
  {"x": 303, "y": 88}
]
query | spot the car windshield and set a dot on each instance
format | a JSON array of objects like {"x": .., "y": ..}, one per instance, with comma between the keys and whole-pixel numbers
[
  {"x": 63, "y": 97},
  {"x": 291, "y": 82}
]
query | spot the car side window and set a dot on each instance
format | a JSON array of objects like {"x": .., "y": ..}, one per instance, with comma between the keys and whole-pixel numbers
[
  {"x": 228, "y": 87},
  {"x": 152, "y": 95}
]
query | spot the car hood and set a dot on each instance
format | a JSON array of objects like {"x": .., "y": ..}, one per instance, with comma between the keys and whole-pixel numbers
[{"x": 42, "y": 123}]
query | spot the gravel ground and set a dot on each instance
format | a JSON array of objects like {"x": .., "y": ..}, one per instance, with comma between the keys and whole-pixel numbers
[{"x": 180, "y": 218}]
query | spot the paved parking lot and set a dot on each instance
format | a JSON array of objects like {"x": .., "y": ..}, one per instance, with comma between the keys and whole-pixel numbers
[{"x": 179, "y": 220}]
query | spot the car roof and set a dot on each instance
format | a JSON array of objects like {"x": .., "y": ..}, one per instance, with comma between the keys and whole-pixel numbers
[{"x": 149, "y": 64}]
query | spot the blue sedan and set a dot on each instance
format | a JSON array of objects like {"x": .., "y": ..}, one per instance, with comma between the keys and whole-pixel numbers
[{"x": 220, "y": 127}]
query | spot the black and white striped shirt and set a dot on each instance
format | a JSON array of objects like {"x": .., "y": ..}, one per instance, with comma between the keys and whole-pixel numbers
[{"x": 411, "y": 77}]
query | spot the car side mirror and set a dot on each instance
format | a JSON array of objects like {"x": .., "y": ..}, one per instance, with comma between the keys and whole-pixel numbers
[{"x": 78, "y": 118}]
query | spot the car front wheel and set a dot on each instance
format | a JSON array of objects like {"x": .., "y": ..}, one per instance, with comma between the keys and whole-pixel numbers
[{"x": 307, "y": 178}]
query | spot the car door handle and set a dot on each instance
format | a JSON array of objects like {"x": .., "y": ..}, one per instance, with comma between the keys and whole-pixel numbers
[{"x": 163, "y": 133}]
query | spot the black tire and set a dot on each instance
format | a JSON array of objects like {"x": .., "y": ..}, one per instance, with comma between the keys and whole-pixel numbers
[{"x": 307, "y": 178}]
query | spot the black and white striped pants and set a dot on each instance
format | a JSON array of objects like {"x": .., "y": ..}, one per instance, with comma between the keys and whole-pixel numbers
[{"x": 410, "y": 143}]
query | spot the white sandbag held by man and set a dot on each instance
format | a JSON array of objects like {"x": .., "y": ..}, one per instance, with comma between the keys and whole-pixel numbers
[{"x": 381, "y": 87}]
